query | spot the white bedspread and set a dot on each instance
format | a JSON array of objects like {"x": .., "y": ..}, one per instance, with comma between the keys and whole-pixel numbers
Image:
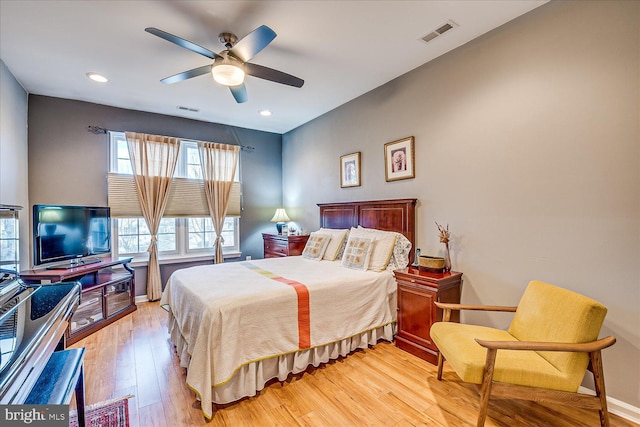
[{"x": 231, "y": 314}]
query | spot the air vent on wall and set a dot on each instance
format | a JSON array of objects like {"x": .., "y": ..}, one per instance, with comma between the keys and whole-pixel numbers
[
  {"x": 192, "y": 110},
  {"x": 439, "y": 31}
]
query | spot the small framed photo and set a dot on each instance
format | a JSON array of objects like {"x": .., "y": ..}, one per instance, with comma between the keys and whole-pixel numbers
[
  {"x": 350, "y": 170},
  {"x": 399, "y": 159}
]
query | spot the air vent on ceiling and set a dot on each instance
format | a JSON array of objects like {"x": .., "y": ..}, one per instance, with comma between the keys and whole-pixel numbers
[
  {"x": 439, "y": 31},
  {"x": 192, "y": 110}
]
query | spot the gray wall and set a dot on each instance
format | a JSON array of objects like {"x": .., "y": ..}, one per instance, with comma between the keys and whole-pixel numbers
[
  {"x": 528, "y": 146},
  {"x": 68, "y": 165},
  {"x": 14, "y": 170}
]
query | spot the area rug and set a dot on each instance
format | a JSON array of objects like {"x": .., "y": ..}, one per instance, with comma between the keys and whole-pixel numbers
[{"x": 112, "y": 413}]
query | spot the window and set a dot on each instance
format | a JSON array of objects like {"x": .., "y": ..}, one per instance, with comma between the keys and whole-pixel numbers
[
  {"x": 134, "y": 236},
  {"x": 202, "y": 236},
  {"x": 189, "y": 162},
  {"x": 9, "y": 242},
  {"x": 191, "y": 167},
  {"x": 177, "y": 237},
  {"x": 120, "y": 155}
]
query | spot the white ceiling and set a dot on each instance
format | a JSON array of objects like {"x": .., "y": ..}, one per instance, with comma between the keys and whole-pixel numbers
[{"x": 341, "y": 49}]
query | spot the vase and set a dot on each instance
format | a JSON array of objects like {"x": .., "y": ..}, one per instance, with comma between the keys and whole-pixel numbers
[{"x": 447, "y": 259}]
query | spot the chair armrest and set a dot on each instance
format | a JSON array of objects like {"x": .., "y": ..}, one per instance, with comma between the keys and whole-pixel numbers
[
  {"x": 448, "y": 307},
  {"x": 585, "y": 347},
  {"x": 445, "y": 305}
]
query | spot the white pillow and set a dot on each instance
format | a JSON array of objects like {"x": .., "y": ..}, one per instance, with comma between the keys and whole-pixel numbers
[
  {"x": 336, "y": 246},
  {"x": 401, "y": 250},
  {"x": 357, "y": 253},
  {"x": 316, "y": 246},
  {"x": 383, "y": 243}
]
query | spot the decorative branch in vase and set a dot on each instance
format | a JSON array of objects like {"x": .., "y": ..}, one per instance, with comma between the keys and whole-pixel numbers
[{"x": 445, "y": 235}]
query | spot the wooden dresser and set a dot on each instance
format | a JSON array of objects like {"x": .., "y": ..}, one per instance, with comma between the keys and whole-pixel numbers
[
  {"x": 278, "y": 245},
  {"x": 417, "y": 291}
]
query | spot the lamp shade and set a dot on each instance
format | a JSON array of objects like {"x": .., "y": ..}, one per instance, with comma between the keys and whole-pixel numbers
[{"x": 280, "y": 216}]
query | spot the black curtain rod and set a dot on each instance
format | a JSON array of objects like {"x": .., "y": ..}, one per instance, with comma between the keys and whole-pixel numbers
[{"x": 97, "y": 130}]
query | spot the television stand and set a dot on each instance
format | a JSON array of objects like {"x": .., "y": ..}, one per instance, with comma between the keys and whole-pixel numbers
[{"x": 108, "y": 293}]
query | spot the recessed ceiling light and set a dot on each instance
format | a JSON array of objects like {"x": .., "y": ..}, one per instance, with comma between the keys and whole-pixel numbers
[
  {"x": 97, "y": 77},
  {"x": 265, "y": 113}
]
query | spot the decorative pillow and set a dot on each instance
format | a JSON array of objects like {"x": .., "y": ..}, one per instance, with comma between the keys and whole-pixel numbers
[
  {"x": 383, "y": 243},
  {"x": 316, "y": 245},
  {"x": 401, "y": 253},
  {"x": 335, "y": 248},
  {"x": 343, "y": 246},
  {"x": 357, "y": 253}
]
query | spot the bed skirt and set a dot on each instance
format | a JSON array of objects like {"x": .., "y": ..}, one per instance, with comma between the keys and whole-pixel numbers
[{"x": 249, "y": 379}]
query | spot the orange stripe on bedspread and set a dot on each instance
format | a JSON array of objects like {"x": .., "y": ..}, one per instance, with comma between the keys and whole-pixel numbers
[{"x": 304, "y": 315}]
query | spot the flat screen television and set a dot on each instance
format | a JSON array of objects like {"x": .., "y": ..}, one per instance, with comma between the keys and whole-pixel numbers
[{"x": 70, "y": 233}]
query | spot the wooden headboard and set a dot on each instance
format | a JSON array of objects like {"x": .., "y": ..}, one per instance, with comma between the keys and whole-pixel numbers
[{"x": 389, "y": 215}]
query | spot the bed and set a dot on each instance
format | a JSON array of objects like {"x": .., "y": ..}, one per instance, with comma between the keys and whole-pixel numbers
[{"x": 238, "y": 325}]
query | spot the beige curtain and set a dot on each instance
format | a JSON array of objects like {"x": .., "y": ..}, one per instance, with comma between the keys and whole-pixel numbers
[
  {"x": 154, "y": 160},
  {"x": 218, "y": 163}
]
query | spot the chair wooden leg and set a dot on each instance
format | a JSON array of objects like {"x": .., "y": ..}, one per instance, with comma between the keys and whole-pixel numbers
[
  {"x": 440, "y": 365},
  {"x": 485, "y": 391},
  {"x": 598, "y": 379},
  {"x": 446, "y": 316}
]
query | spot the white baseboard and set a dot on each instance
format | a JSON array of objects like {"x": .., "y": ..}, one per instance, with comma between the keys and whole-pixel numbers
[
  {"x": 618, "y": 407},
  {"x": 141, "y": 299}
]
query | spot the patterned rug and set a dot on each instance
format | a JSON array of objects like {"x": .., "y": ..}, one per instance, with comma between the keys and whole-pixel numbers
[{"x": 112, "y": 413}]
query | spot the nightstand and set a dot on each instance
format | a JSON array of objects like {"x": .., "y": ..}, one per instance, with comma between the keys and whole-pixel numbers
[
  {"x": 417, "y": 291},
  {"x": 279, "y": 245}
]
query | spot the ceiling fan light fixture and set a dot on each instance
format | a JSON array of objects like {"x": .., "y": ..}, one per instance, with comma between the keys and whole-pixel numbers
[
  {"x": 230, "y": 66},
  {"x": 227, "y": 70},
  {"x": 228, "y": 74}
]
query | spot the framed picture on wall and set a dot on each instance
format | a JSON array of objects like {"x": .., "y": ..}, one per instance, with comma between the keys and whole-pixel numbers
[
  {"x": 399, "y": 159},
  {"x": 350, "y": 170}
]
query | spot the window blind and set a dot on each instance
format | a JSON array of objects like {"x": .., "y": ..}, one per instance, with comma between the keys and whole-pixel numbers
[{"x": 186, "y": 198}]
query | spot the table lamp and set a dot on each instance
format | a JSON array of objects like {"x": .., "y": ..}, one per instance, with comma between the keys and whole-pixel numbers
[{"x": 280, "y": 218}]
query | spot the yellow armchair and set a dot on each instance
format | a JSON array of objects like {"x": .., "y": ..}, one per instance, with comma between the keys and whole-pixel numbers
[{"x": 543, "y": 356}]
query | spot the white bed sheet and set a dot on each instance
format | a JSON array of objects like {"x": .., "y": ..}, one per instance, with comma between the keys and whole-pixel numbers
[{"x": 236, "y": 327}]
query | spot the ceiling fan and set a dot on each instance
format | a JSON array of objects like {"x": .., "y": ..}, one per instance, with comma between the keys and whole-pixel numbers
[{"x": 230, "y": 66}]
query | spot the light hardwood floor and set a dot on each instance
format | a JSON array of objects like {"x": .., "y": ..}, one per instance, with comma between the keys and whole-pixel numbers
[{"x": 381, "y": 386}]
